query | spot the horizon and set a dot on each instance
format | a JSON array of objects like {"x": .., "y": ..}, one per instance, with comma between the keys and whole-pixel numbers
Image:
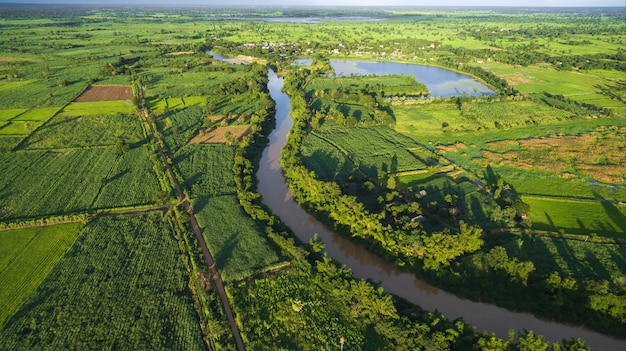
[{"x": 332, "y": 4}]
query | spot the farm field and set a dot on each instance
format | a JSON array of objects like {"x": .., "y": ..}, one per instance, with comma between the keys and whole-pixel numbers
[
  {"x": 583, "y": 217},
  {"x": 35, "y": 183},
  {"x": 419, "y": 179},
  {"x": 237, "y": 243},
  {"x": 26, "y": 258},
  {"x": 114, "y": 287},
  {"x": 207, "y": 170}
]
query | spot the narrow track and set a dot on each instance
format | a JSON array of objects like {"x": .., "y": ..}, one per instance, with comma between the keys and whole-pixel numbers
[{"x": 214, "y": 274}]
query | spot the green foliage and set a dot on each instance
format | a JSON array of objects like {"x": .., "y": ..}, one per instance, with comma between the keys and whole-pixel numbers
[
  {"x": 206, "y": 169},
  {"x": 130, "y": 182},
  {"x": 237, "y": 243},
  {"x": 577, "y": 216},
  {"x": 36, "y": 183},
  {"x": 122, "y": 290},
  {"x": 374, "y": 151},
  {"x": 26, "y": 257},
  {"x": 64, "y": 131}
]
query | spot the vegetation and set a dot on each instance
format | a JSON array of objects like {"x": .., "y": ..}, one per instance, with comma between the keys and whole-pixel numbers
[
  {"x": 515, "y": 199},
  {"x": 103, "y": 286},
  {"x": 27, "y": 257}
]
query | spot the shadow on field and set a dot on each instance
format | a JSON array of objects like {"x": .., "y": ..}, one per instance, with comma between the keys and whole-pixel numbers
[
  {"x": 119, "y": 175},
  {"x": 222, "y": 257},
  {"x": 614, "y": 213}
]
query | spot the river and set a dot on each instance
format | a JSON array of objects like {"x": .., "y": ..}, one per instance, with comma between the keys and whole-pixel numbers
[{"x": 276, "y": 195}]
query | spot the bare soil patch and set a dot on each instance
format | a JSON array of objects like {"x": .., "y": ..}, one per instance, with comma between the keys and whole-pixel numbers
[
  {"x": 600, "y": 155},
  {"x": 106, "y": 93},
  {"x": 453, "y": 148},
  {"x": 177, "y": 53},
  {"x": 516, "y": 79},
  {"x": 220, "y": 135}
]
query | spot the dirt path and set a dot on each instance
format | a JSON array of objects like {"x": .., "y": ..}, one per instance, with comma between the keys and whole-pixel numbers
[
  {"x": 85, "y": 216},
  {"x": 216, "y": 278}
]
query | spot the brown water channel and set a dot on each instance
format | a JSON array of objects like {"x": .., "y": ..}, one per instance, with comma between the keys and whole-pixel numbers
[{"x": 364, "y": 264}]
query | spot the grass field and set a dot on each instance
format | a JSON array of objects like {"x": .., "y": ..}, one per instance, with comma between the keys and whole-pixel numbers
[
  {"x": 122, "y": 284},
  {"x": 577, "y": 216},
  {"x": 26, "y": 257},
  {"x": 236, "y": 241},
  {"x": 19, "y": 128},
  {"x": 78, "y": 109},
  {"x": 577, "y": 85},
  {"x": 37, "y": 114},
  {"x": 6, "y": 115}
]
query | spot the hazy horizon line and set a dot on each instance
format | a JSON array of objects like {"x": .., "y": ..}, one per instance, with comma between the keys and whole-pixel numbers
[{"x": 227, "y": 5}]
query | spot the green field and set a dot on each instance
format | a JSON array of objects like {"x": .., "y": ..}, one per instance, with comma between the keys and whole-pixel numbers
[
  {"x": 376, "y": 151},
  {"x": 237, "y": 243},
  {"x": 26, "y": 257},
  {"x": 207, "y": 169},
  {"x": 573, "y": 258},
  {"x": 37, "y": 114},
  {"x": 64, "y": 131},
  {"x": 577, "y": 217},
  {"x": 6, "y": 115},
  {"x": 19, "y": 128},
  {"x": 39, "y": 183},
  {"x": 78, "y": 109},
  {"x": 122, "y": 283}
]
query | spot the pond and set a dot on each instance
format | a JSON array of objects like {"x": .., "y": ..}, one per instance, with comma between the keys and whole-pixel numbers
[{"x": 441, "y": 82}]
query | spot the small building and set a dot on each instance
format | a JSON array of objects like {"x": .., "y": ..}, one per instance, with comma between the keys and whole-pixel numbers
[
  {"x": 418, "y": 219},
  {"x": 423, "y": 192}
]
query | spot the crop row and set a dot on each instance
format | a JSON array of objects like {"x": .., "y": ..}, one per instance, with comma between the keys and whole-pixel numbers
[
  {"x": 376, "y": 151},
  {"x": 122, "y": 285},
  {"x": 38, "y": 183},
  {"x": 236, "y": 241},
  {"x": 207, "y": 169},
  {"x": 64, "y": 131},
  {"x": 26, "y": 257}
]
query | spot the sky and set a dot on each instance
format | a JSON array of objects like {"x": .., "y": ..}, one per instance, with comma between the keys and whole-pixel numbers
[{"x": 520, "y": 3}]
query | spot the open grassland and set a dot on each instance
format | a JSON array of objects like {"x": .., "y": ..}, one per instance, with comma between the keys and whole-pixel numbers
[
  {"x": 538, "y": 182},
  {"x": 237, "y": 242},
  {"x": 122, "y": 283},
  {"x": 26, "y": 257},
  {"x": 576, "y": 216},
  {"x": 89, "y": 130},
  {"x": 577, "y": 85},
  {"x": 207, "y": 169}
]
